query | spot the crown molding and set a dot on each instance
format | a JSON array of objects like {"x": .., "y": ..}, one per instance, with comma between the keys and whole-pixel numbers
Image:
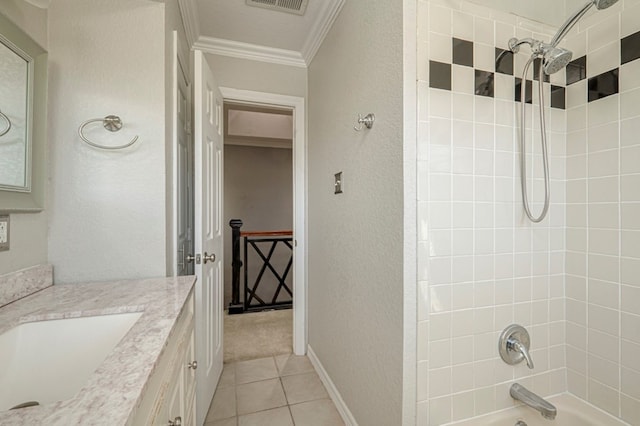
[
  {"x": 189, "y": 12},
  {"x": 253, "y": 52},
  {"x": 326, "y": 17},
  {"x": 320, "y": 29}
]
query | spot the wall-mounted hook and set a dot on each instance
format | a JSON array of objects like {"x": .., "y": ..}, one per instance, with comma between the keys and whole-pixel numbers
[{"x": 367, "y": 121}]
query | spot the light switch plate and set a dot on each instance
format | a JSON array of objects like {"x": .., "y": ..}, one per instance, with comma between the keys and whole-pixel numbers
[
  {"x": 4, "y": 233},
  {"x": 337, "y": 186}
]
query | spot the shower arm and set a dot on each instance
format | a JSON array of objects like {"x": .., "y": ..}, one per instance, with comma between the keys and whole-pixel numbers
[
  {"x": 573, "y": 20},
  {"x": 537, "y": 47},
  {"x": 514, "y": 44}
]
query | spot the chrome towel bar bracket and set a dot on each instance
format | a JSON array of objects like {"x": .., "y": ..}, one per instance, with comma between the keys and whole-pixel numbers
[{"x": 112, "y": 123}]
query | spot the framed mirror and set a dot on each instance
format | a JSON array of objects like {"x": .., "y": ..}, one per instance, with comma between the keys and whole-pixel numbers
[
  {"x": 16, "y": 78},
  {"x": 23, "y": 86}
]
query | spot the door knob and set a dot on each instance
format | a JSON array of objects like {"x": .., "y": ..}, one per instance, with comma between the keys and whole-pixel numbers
[
  {"x": 209, "y": 257},
  {"x": 176, "y": 422},
  {"x": 190, "y": 258},
  {"x": 193, "y": 365}
]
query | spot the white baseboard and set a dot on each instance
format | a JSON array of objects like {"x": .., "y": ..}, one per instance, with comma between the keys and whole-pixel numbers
[{"x": 335, "y": 396}]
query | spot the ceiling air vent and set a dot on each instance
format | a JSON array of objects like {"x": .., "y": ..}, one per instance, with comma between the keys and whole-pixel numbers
[{"x": 297, "y": 7}]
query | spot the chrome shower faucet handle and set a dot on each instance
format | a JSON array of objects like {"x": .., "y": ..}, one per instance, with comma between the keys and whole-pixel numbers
[{"x": 514, "y": 344}]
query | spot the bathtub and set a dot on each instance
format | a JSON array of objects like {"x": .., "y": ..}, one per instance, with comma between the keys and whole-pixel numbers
[{"x": 572, "y": 411}]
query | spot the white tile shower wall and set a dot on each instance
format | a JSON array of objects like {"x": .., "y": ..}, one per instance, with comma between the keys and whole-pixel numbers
[
  {"x": 603, "y": 221},
  {"x": 482, "y": 264}
]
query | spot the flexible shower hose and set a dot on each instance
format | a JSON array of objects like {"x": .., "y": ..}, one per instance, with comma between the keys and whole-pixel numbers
[{"x": 523, "y": 144}]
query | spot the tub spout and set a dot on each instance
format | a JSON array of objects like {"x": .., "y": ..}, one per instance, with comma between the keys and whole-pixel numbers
[{"x": 520, "y": 393}]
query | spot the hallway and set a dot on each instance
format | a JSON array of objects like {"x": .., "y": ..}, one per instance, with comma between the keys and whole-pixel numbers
[
  {"x": 257, "y": 335},
  {"x": 275, "y": 391}
]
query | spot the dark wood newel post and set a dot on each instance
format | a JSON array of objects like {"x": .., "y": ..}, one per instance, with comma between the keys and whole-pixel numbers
[{"x": 235, "y": 307}]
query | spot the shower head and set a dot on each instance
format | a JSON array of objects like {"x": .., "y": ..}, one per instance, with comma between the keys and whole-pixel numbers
[
  {"x": 603, "y": 4},
  {"x": 555, "y": 58}
]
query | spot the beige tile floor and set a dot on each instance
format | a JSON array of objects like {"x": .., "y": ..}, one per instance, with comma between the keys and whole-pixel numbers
[{"x": 281, "y": 390}]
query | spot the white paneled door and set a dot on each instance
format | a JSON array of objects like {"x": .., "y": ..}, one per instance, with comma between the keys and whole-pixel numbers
[{"x": 208, "y": 233}]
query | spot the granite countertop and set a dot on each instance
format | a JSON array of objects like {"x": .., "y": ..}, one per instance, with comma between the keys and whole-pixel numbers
[{"x": 113, "y": 391}]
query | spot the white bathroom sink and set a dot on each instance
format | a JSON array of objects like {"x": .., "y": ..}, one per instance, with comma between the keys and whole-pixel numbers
[{"x": 48, "y": 361}]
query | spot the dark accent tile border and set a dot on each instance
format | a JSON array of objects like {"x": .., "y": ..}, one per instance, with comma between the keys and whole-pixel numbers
[
  {"x": 576, "y": 70},
  {"x": 528, "y": 91},
  {"x": 600, "y": 86},
  {"x": 462, "y": 52},
  {"x": 630, "y": 48},
  {"x": 558, "y": 97},
  {"x": 439, "y": 75},
  {"x": 603, "y": 85},
  {"x": 484, "y": 83},
  {"x": 504, "y": 61}
]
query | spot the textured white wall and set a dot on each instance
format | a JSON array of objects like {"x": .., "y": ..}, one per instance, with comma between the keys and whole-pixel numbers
[
  {"x": 258, "y": 76},
  {"x": 356, "y": 238},
  {"x": 28, "y": 231},
  {"x": 258, "y": 189},
  {"x": 28, "y": 242},
  {"x": 107, "y": 209}
]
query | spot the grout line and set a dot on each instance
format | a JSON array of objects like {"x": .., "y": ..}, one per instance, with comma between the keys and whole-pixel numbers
[
  {"x": 279, "y": 377},
  {"x": 619, "y": 246}
]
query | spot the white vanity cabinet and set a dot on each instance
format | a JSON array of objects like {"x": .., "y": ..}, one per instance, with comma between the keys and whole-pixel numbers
[
  {"x": 189, "y": 380},
  {"x": 170, "y": 394}
]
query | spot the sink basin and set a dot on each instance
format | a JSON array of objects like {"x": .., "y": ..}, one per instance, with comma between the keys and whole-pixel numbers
[{"x": 48, "y": 361}]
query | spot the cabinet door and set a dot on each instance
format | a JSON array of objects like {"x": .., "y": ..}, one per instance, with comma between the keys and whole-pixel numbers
[
  {"x": 190, "y": 372},
  {"x": 189, "y": 385},
  {"x": 175, "y": 403}
]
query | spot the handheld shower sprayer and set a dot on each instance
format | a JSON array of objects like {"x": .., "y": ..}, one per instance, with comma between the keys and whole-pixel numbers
[
  {"x": 554, "y": 59},
  {"x": 573, "y": 19}
]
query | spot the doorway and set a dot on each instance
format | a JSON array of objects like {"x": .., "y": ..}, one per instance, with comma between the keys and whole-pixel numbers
[
  {"x": 277, "y": 376},
  {"x": 258, "y": 241},
  {"x": 295, "y": 105}
]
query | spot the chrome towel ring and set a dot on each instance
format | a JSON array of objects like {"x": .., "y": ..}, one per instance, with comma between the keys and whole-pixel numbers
[
  {"x": 112, "y": 123},
  {"x": 5, "y": 131}
]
